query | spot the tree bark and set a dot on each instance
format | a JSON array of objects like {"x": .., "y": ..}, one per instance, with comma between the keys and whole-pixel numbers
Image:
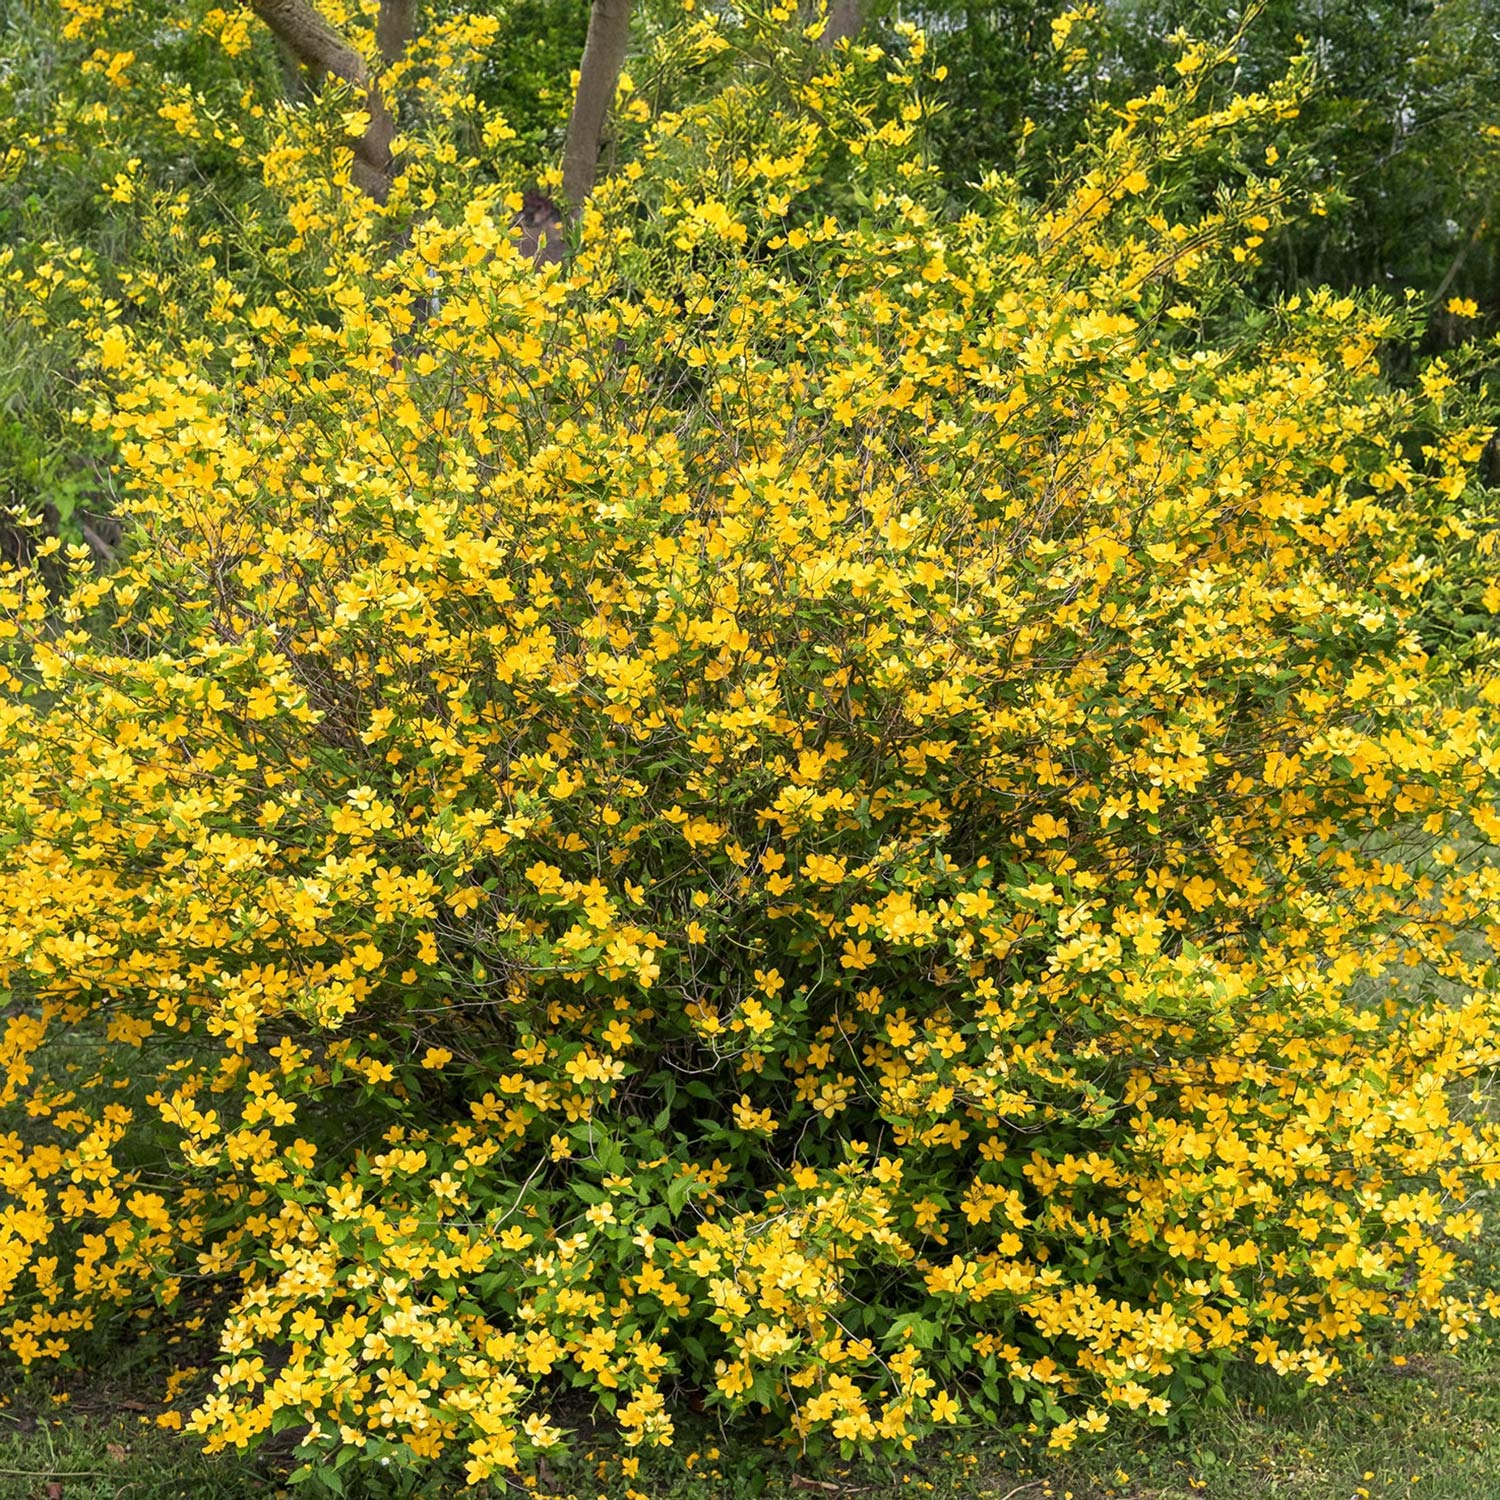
[
  {"x": 541, "y": 229},
  {"x": 598, "y": 75},
  {"x": 294, "y": 80},
  {"x": 322, "y": 49},
  {"x": 845, "y": 17},
  {"x": 393, "y": 29}
]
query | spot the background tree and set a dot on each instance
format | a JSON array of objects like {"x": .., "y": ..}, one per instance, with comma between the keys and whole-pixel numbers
[
  {"x": 598, "y": 73},
  {"x": 1405, "y": 120}
]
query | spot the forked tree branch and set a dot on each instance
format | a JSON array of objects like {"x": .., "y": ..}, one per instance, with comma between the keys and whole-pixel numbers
[
  {"x": 322, "y": 49},
  {"x": 311, "y": 39}
]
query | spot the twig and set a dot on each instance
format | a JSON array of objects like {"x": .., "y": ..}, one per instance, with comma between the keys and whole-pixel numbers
[
  {"x": 1458, "y": 261},
  {"x": 55, "y": 1474}
]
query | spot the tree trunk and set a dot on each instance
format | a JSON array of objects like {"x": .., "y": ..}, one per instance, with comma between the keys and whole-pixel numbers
[
  {"x": 295, "y": 84},
  {"x": 541, "y": 229},
  {"x": 320, "y": 48},
  {"x": 598, "y": 74},
  {"x": 393, "y": 29},
  {"x": 845, "y": 17}
]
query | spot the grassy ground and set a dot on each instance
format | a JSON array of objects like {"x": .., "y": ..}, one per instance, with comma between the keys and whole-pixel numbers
[{"x": 1419, "y": 1426}]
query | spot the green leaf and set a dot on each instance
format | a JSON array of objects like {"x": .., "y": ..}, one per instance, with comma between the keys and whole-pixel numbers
[{"x": 678, "y": 1190}]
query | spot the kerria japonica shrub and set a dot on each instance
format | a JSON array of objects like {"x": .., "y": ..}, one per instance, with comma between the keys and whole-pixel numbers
[{"x": 860, "y": 817}]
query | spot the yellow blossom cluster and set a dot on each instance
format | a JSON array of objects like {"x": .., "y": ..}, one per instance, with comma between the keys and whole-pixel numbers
[{"x": 850, "y": 812}]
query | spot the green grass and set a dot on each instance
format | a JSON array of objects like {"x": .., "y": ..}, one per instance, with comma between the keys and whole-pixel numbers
[
  {"x": 98, "y": 1455},
  {"x": 1424, "y": 1429}
]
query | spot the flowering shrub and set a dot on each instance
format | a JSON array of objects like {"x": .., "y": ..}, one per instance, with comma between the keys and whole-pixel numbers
[
  {"x": 856, "y": 816},
  {"x": 153, "y": 168}
]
